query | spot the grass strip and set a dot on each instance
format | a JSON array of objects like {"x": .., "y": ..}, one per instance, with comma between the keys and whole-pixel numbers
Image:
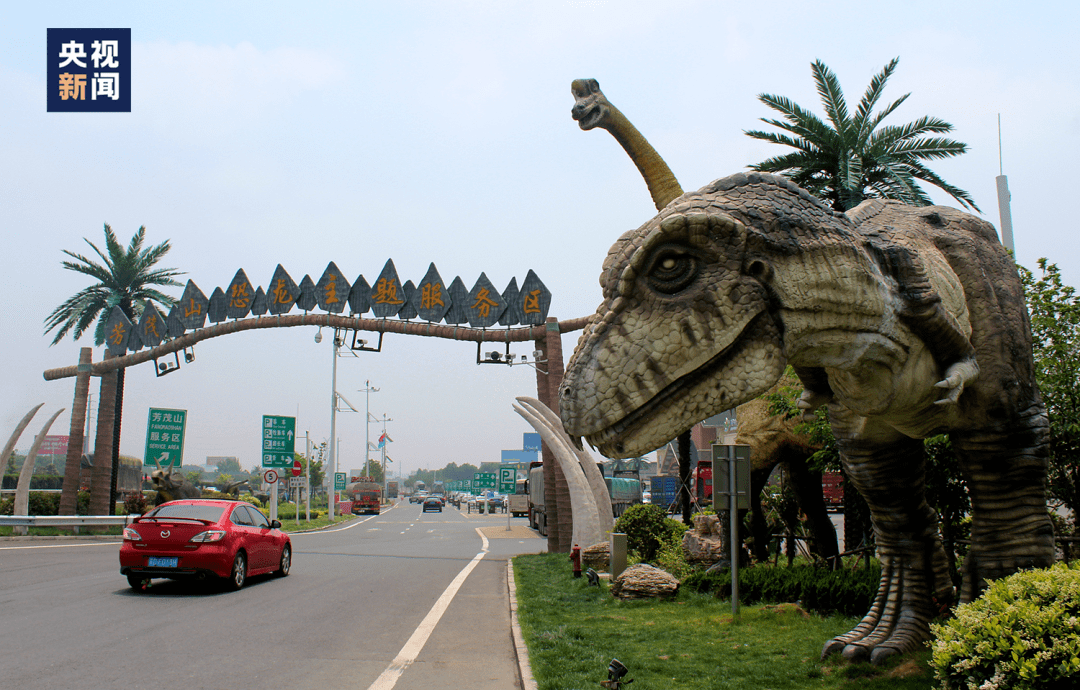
[{"x": 573, "y": 631}]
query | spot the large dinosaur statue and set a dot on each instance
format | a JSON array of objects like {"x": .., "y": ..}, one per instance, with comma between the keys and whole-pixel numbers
[{"x": 905, "y": 321}]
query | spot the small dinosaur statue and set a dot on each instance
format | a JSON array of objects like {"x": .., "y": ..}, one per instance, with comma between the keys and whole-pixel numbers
[{"x": 906, "y": 321}]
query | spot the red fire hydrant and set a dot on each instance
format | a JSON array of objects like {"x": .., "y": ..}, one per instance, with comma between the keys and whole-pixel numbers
[{"x": 575, "y": 557}]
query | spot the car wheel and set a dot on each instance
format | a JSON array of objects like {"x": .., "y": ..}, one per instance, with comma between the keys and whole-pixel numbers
[
  {"x": 139, "y": 583},
  {"x": 239, "y": 572},
  {"x": 286, "y": 562}
]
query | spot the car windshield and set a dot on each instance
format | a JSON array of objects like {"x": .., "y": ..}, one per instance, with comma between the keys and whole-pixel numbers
[{"x": 186, "y": 510}]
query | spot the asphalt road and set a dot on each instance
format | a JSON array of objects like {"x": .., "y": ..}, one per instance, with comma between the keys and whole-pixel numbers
[{"x": 354, "y": 612}]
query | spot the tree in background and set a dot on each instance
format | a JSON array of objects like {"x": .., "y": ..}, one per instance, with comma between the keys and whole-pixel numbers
[
  {"x": 125, "y": 279},
  {"x": 318, "y": 473},
  {"x": 1055, "y": 329},
  {"x": 374, "y": 470},
  {"x": 230, "y": 465},
  {"x": 848, "y": 159}
]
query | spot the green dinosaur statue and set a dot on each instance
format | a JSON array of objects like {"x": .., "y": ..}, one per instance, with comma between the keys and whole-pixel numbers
[{"x": 906, "y": 321}]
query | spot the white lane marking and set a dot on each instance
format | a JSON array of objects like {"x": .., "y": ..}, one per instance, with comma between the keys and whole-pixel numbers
[
  {"x": 59, "y": 546},
  {"x": 352, "y": 524},
  {"x": 389, "y": 678}
]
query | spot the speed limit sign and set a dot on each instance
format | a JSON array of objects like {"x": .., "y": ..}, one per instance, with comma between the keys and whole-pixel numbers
[{"x": 270, "y": 476}]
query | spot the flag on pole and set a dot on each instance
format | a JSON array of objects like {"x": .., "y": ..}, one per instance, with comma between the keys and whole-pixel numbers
[{"x": 383, "y": 439}]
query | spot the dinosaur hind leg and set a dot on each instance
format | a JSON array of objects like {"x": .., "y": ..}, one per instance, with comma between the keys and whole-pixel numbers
[
  {"x": 1006, "y": 479},
  {"x": 887, "y": 469}
]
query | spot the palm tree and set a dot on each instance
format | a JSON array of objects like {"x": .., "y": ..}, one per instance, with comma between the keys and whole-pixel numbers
[
  {"x": 125, "y": 279},
  {"x": 848, "y": 159}
]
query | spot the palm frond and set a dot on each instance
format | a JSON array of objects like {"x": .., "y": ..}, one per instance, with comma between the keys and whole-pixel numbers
[
  {"x": 928, "y": 148},
  {"x": 832, "y": 97},
  {"x": 882, "y": 114},
  {"x": 873, "y": 93},
  {"x": 923, "y": 173}
]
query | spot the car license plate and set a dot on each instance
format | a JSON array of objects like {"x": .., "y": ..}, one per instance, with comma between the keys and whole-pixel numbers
[{"x": 160, "y": 562}]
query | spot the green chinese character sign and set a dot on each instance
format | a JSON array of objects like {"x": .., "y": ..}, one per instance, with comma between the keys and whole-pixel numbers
[
  {"x": 165, "y": 438},
  {"x": 484, "y": 480},
  {"x": 507, "y": 480},
  {"x": 278, "y": 441}
]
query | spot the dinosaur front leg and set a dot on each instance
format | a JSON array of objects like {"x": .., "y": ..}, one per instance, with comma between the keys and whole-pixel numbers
[
  {"x": 1006, "y": 479},
  {"x": 888, "y": 470}
]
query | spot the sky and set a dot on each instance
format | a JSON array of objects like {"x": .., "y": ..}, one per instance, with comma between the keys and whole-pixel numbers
[{"x": 355, "y": 132}]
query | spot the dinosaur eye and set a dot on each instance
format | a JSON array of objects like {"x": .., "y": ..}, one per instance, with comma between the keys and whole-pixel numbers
[{"x": 672, "y": 271}]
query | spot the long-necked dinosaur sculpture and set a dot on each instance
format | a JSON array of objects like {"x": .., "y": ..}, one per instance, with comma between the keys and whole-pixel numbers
[{"x": 906, "y": 321}]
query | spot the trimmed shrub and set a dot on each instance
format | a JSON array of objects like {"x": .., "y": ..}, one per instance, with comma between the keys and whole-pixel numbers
[
  {"x": 135, "y": 503},
  {"x": 1022, "y": 632},
  {"x": 648, "y": 528},
  {"x": 850, "y": 592}
]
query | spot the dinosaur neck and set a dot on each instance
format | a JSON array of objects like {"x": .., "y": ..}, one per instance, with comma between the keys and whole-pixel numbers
[{"x": 658, "y": 176}]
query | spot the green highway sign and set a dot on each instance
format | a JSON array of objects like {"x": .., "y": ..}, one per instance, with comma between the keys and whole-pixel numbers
[
  {"x": 165, "y": 437},
  {"x": 339, "y": 481},
  {"x": 278, "y": 441},
  {"x": 507, "y": 480},
  {"x": 484, "y": 480}
]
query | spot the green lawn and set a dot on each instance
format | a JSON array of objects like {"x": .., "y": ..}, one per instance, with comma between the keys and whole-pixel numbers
[{"x": 573, "y": 631}]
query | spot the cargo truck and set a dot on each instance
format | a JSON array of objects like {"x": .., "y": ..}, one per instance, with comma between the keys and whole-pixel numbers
[{"x": 366, "y": 495}]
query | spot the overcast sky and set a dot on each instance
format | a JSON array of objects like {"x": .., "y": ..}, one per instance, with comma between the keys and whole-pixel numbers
[{"x": 302, "y": 133}]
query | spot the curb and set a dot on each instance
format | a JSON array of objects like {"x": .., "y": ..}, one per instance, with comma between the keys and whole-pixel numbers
[{"x": 520, "y": 650}]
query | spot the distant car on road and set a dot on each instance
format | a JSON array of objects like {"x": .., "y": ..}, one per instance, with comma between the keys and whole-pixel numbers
[
  {"x": 433, "y": 503},
  {"x": 198, "y": 538}
]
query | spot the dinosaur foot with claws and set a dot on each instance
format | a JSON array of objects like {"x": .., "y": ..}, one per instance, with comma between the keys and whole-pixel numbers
[{"x": 899, "y": 620}]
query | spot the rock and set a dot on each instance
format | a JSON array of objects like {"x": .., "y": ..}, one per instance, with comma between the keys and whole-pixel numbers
[
  {"x": 597, "y": 556},
  {"x": 643, "y": 581},
  {"x": 704, "y": 543}
]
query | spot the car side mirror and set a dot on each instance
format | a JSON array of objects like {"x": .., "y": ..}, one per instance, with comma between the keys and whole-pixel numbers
[{"x": 275, "y": 524}]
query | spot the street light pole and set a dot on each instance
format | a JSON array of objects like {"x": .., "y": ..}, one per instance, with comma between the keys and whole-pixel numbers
[
  {"x": 367, "y": 391},
  {"x": 384, "y": 420},
  {"x": 331, "y": 493}
]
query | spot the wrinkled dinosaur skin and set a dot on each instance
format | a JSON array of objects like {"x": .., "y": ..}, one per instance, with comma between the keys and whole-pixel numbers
[{"x": 906, "y": 321}]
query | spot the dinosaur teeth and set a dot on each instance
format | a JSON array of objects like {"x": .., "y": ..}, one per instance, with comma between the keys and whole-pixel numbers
[{"x": 576, "y": 440}]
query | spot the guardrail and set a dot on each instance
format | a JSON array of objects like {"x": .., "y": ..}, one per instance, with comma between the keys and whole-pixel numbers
[{"x": 65, "y": 520}]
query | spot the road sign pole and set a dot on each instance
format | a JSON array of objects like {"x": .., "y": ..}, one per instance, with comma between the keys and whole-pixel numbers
[
  {"x": 307, "y": 458},
  {"x": 273, "y": 501}
]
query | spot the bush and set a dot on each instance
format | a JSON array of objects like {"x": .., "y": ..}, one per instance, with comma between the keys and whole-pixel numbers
[
  {"x": 648, "y": 528},
  {"x": 1023, "y": 632},
  {"x": 135, "y": 503},
  {"x": 850, "y": 592}
]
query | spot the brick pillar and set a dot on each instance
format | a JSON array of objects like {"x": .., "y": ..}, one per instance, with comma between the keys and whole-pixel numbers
[{"x": 556, "y": 493}]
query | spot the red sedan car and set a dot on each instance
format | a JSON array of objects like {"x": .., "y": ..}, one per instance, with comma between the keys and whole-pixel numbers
[{"x": 196, "y": 538}]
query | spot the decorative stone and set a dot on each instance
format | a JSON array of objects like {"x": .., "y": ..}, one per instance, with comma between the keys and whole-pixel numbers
[
  {"x": 643, "y": 581},
  {"x": 704, "y": 543},
  {"x": 597, "y": 556}
]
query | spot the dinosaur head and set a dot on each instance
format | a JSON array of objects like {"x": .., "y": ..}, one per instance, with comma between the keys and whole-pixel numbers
[
  {"x": 162, "y": 479},
  {"x": 684, "y": 332},
  {"x": 591, "y": 109}
]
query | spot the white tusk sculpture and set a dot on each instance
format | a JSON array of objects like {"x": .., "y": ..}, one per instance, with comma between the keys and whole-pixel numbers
[
  {"x": 592, "y": 473},
  {"x": 587, "y": 529},
  {"x": 22, "y": 489}
]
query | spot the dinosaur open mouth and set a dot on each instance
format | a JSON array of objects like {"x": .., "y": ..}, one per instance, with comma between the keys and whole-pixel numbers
[
  {"x": 588, "y": 117},
  {"x": 613, "y": 437}
]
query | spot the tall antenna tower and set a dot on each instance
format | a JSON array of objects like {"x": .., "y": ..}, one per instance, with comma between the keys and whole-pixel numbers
[{"x": 1004, "y": 210}]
